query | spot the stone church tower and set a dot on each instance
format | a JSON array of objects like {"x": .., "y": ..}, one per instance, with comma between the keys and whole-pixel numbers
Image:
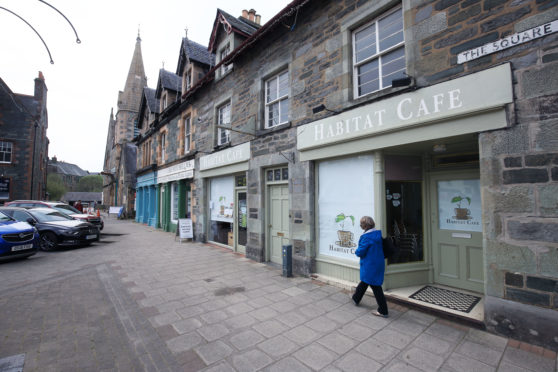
[{"x": 119, "y": 169}]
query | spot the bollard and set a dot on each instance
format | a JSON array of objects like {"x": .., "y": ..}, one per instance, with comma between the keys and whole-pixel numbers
[{"x": 287, "y": 261}]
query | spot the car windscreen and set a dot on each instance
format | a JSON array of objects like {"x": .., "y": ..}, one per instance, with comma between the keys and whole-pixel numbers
[
  {"x": 66, "y": 209},
  {"x": 4, "y": 218},
  {"x": 45, "y": 215}
]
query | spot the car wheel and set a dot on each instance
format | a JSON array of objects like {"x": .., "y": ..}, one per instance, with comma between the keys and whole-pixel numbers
[{"x": 48, "y": 241}]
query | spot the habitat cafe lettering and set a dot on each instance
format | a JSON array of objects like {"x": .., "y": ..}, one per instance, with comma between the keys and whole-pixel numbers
[
  {"x": 229, "y": 156},
  {"x": 508, "y": 42},
  {"x": 444, "y": 101}
]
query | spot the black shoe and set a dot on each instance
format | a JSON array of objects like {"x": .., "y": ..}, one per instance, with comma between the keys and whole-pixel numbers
[{"x": 354, "y": 301}]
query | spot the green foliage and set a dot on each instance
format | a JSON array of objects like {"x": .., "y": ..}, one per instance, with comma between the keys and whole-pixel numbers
[
  {"x": 93, "y": 183},
  {"x": 55, "y": 187},
  {"x": 459, "y": 199},
  {"x": 341, "y": 217}
]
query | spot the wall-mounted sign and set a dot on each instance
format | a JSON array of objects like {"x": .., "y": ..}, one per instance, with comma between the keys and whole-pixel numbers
[
  {"x": 459, "y": 205},
  {"x": 233, "y": 155},
  {"x": 450, "y": 99},
  {"x": 508, "y": 42},
  {"x": 176, "y": 172}
]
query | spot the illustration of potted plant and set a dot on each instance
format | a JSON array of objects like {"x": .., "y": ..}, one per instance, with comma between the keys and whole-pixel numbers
[
  {"x": 345, "y": 236},
  {"x": 460, "y": 212}
]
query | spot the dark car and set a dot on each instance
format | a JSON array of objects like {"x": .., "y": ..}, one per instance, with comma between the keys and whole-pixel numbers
[
  {"x": 17, "y": 239},
  {"x": 55, "y": 229},
  {"x": 60, "y": 207}
]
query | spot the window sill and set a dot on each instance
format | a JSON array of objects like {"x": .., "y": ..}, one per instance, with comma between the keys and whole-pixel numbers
[
  {"x": 384, "y": 93},
  {"x": 222, "y": 147},
  {"x": 277, "y": 128}
]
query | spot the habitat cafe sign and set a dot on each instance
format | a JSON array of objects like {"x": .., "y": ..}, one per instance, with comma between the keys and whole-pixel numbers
[
  {"x": 433, "y": 104},
  {"x": 176, "y": 172},
  {"x": 233, "y": 155},
  {"x": 508, "y": 42}
]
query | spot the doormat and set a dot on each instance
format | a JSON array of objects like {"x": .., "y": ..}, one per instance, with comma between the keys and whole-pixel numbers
[{"x": 449, "y": 299}]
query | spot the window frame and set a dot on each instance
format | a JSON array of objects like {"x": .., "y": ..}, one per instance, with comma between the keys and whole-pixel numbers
[
  {"x": 4, "y": 152},
  {"x": 379, "y": 53},
  {"x": 187, "y": 134},
  {"x": 223, "y": 53},
  {"x": 174, "y": 201},
  {"x": 278, "y": 100},
  {"x": 163, "y": 144},
  {"x": 227, "y": 132}
]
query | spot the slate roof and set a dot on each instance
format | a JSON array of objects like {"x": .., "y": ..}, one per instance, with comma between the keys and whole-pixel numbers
[
  {"x": 152, "y": 102},
  {"x": 242, "y": 24},
  {"x": 83, "y": 196},
  {"x": 198, "y": 52},
  {"x": 168, "y": 80},
  {"x": 67, "y": 168}
]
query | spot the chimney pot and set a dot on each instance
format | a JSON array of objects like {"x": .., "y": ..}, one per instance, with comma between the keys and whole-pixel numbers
[
  {"x": 258, "y": 19},
  {"x": 245, "y": 13},
  {"x": 251, "y": 14}
]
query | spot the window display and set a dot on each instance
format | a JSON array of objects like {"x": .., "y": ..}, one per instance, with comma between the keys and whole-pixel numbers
[
  {"x": 221, "y": 205},
  {"x": 345, "y": 194}
]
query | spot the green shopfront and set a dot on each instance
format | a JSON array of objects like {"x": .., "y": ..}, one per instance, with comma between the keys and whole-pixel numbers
[
  {"x": 174, "y": 194},
  {"x": 410, "y": 161}
]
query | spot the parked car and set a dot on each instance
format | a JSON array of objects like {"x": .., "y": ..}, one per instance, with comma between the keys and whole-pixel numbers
[
  {"x": 55, "y": 229},
  {"x": 17, "y": 239},
  {"x": 61, "y": 207}
]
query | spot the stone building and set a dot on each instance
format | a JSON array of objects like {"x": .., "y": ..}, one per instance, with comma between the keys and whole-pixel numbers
[
  {"x": 69, "y": 173},
  {"x": 23, "y": 143},
  {"x": 437, "y": 118},
  {"x": 119, "y": 168}
]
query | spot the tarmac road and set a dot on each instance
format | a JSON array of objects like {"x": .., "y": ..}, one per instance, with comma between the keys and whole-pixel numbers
[{"x": 140, "y": 301}]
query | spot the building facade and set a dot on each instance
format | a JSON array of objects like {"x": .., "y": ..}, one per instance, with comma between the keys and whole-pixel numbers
[
  {"x": 23, "y": 143},
  {"x": 69, "y": 173},
  {"x": 119, "y": 169},
  {"x": 436, "y": 118}
]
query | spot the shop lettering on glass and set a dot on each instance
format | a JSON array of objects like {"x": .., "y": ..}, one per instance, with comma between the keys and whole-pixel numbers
[
  {"x": 459, "y": 205},
  {"x": 405, "y": 110},
  {"x": 508, "y": 42},
  {"x": 346, "y": 243}
]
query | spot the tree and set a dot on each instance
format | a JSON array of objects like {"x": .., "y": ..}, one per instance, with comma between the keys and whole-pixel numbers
[
  {"x": 55, "y": 187},
  {"x": 93, "y": 183}
]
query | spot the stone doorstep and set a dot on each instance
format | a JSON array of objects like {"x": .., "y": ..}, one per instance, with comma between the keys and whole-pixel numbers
[{"x": 547, "y": 353}]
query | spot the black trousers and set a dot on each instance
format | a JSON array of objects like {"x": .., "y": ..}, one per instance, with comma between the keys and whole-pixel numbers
[{"x": 378, "y": 294}]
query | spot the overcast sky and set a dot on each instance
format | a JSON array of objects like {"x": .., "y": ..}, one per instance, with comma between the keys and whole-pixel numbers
[{"x": 84, "y": 81}]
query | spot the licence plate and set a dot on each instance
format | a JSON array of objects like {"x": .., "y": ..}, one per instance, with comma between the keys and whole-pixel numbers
[
  {"x": 22, "y": 247},
  {"x": 91, "y": 237}
]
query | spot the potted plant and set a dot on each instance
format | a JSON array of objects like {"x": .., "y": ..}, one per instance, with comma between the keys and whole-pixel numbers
[
  {"x": 345, "y": 236},
  {"x": 461, "y": 213}
]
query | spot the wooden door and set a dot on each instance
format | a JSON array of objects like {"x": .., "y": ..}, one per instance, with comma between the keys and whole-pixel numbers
[{"x": 278, "y": 228}]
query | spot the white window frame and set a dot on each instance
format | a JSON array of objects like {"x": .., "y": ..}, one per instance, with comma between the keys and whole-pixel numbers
[
  {"x": 163, "y": 144},
  {"x": 188, "y": 79},
  {"x": 174, "y": 202},
  {"x": 222, "y": 120},
  {"x": 278, "y": 101},
  {"x": 223, "y": 53},
  {"x": 187, "y": 134},
  {"x": 379, "y": 53},
  {"x": 6, "y": 148}
]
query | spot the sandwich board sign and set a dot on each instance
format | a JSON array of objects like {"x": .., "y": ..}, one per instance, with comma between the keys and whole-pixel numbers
[{"x": 184, "y": 229}]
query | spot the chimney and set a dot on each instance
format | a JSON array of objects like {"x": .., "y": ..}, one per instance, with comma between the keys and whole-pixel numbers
[
  {"x": 251, "y": 15},
  {"x": 258, "y": 19},
  {"x": 40, "y": 88},
  {"x": 244, "y": 13}
]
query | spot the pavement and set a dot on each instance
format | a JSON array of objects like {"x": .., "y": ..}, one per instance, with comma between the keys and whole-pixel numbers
[{"x": 141, "y": 301}]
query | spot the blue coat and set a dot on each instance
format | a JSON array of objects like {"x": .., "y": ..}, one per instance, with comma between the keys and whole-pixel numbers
[{"x": 372, "y": 265}]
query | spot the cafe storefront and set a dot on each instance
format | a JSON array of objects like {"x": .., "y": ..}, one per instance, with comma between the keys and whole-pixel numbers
[
  {"x": 412, "y": 163},
  {"x": 224, "y": 175}
]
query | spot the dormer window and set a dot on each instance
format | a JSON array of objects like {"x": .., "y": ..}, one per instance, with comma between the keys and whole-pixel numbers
[
  {"x": 187, "y": 79},
  {"x": 164, "y": 101},
  {"x": 222, "y": 54}
]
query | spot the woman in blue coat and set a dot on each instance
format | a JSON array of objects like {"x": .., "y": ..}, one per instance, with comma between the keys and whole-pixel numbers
[{"x": 372, "y": 265}]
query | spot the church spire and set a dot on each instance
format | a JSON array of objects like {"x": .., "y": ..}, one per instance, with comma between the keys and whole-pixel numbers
[{"x": 135, "y": 82}]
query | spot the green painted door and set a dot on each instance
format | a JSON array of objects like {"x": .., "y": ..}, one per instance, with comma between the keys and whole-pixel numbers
[
  {"x": 457, "y": 230},
  {"x": 278, "y": 221}
]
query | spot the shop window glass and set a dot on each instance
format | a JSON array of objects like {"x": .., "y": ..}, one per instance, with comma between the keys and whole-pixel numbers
[
  {"x": 345, "y": 194},
  {"x": 221, "y": 205},
  {"x": 174, "y": 202},
  {"x": 404, "y": 206}
]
